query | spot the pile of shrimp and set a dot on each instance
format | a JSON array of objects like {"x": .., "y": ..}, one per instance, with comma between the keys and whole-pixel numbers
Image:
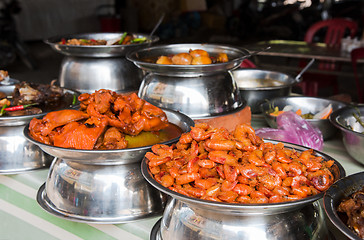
[{"x": 237, "y": 167}]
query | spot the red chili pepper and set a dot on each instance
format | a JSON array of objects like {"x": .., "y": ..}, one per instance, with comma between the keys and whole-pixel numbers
[
  {"x": 63, "y": 41},
  {"x": 93, "y": 40},
  {"x": 19, "y": 107}
]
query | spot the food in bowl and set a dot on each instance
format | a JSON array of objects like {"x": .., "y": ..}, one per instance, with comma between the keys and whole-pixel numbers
[
  {"x": 106, "y": 120},
  {"x": 352, "y": 209},
  {"x": 30, "y": 98},
  {"x": 125, "y": 39},
  {"x": 193, "y": 57},
  {"x": 237, "y": 167},
  {"x": 322, "y": 114}
]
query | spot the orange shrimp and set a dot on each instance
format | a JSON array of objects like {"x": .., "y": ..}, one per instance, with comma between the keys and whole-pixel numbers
[
  {"x": 213, "y": 191},
  {"x": 228, "y": 196},
  {"x": 186, "y": 178},
  {"x": 205, "y": 183},
  {"x": 244, "y": 199},
  {"x": 206, "y": 163},
  {"x": 185, "y": 138},
  {"x": 216, "y": 144},
  {"x": 200, "y": 134},
  {"x": 222, "y": 157},
  {"x": 322, "y": 180},
  {"x": 242, "y": 189},
  {"x": 228, "y": 186},
  {"x": 270, "y": 181},
  {"x": 282, "y": 156},
  {"x": 255, "y": 157},
  {"x": 230, "y": 172},
  {"x": 299, "y": 181},
  {"x": 279, "y": 169},
  {"x": 196, "y": 192},
  {"x": 167, "y": 180}
]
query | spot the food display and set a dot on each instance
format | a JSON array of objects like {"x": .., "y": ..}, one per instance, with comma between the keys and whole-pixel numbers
[
  {"x": 30, "y": 98},
  {"x": 124, "y": 39},
  {"x": 106, "y": 120},
  {"x": 237, "y": 167},
  {"x": 193, "y": 57},
  {"x": 352, "y": 210}
]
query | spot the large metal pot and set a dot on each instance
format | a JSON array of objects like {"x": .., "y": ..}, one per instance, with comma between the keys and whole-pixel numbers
[
  {"x": 257, "y": 85},
  {"x": 198, "y": 91},
  {"x": 87, "y": 68}
]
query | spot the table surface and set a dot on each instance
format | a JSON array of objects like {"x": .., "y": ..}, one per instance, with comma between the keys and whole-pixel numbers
[
  {"x": 299, "y": 49},
  {"x": 22, "y": 217}
]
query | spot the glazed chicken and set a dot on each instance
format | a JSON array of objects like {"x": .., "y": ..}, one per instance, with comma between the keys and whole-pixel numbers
[{"x": 101, "y": 122}]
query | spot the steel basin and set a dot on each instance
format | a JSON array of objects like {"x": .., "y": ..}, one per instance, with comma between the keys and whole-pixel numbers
[
  {"x": 353, "y": 136},
  {"x": 307, "y": 105},
  {"x": 257, "y": 85}
]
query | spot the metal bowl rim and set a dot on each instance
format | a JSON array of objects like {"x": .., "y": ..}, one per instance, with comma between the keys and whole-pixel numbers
[
  {"x": 233, "y": 206},
  {"x": 52, "y": 40},
  {"x": 131, "y": 55},
  {"x": 336, "y": 114},
  {"x": 267, "y": 88}
]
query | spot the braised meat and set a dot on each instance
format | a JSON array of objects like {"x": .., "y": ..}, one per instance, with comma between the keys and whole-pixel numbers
[
  {"x": 26, "y": 93},
  {"x": 353, "y": 207}
]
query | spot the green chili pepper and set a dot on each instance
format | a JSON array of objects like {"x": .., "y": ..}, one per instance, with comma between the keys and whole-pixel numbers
[
  {"x": 122, "y": 38},
  {"x": 138, "y": 40},
  {"x": 2, "y": 111},
  {"x": 74, "y": 100}
]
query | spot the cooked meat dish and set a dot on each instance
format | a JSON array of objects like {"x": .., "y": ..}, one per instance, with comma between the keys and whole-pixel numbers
[
  {"x": 353, "y": 208},
  {"x": 193, "y": 57}
]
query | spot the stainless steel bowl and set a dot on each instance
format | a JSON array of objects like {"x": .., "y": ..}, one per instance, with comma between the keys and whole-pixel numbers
[
  {"x": 191, "y": 218},
  {"x": 17, "y": 155},
  {"x": 110, "y": 157},
  {"x": 307, "y": 105},
  {"x": 352, "y": 131},
  {"x": 340, "y": 190},
  {"x": 99, "y": 194},
  {"x": 145, "y": 59},
  {"x": 197, "y": 97},
  {"x": 257, "y": 85},
  {"x": 97, "y": 51}
]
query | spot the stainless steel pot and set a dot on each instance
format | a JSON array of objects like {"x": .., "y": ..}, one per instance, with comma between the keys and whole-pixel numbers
[
  {"x": 257, "y": 85},
  {"x": 18, "y": 155},
  {"x": 88, "y": 68},
  {"x": 198, "y": 91},
  {"x": 192, "y": 218},
  {"x": 99, "y": 194},
  {"x": 197, "y": 97}
]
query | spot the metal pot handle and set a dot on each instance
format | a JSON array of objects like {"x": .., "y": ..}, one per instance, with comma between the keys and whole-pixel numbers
[{"x": 298, "y": 77}]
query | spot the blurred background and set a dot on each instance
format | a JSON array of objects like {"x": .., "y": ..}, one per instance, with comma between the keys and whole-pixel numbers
[{"x": 25, "y": 24}]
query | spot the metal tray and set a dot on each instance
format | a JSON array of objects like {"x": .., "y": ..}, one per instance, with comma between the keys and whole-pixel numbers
[
  {"x": 97, "y": 51},
  {"x": 145, "y": 59},
  {"x": 48, "y": 206}
]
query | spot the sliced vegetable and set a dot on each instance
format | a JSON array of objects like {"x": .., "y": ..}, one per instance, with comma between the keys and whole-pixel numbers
[
  {"x": 138, "y": 40},
  {"x": 2, "y": 111},
  {"x": 324, "y": 113},
  {"x": 74, "y": 100},
  {"x": 122, "y": 37},
  {"x": 19, "y": 107}
]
